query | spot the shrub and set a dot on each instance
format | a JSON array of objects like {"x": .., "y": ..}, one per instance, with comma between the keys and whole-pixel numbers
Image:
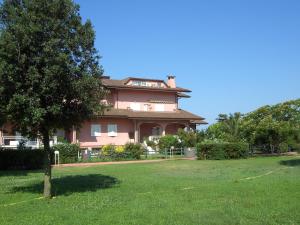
[
  {"x": 283, "y": 147},
  {"x": 133, "y": 151},
  {"x": 166, "y": 142},
  {"x": 108, "y": 150},
  {"x": 21, "y": 159},
  {"x": 225, "y": 150},
  {"x": 119, "y": 149},
  {"x": 68, "y": 153}
]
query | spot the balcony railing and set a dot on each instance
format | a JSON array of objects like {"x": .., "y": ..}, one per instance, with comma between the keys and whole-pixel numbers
[{"x": 14, "y": 141}]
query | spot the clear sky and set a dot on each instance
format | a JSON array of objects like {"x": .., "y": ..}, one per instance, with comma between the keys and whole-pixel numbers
[{"x": 234, "y": 55}]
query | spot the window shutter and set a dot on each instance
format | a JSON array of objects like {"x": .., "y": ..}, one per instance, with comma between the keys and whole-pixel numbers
[
  {"x": 112, "y": 130},
  {"x": 95, "y": 130}
]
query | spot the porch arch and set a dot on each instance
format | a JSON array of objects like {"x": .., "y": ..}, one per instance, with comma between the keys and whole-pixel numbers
[{"x": 148, "y": 129}]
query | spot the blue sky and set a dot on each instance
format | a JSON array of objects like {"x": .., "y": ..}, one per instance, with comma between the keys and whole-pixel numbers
[{"x": 234, "y": 55}]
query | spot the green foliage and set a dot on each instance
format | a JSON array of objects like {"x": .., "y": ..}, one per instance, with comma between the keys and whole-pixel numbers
[
  {"x": 21, "y": 159},
  {"x": 268, "y": 126},
  {"x": 49, "y": 69},
  {"x": 68, "y": 153},
  {"x": 272, "y": 125},
  {"x": 211, "y": 150},
  {"x": 283, "y": 147},
  {"x": 167, "y": 141},
  {"x": 129, "y": 151},
  {"x": 49, "y": 72},
  {"x": 133, "y": 150},
  {"x": 188, "y": 138}
]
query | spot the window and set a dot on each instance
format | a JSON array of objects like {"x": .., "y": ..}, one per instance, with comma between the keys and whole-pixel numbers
[
  {"x": 156, "y": 131},
  {"x": 95, "y": 130},
  {"x": 112, "y": 130},
  {"x": 135, "y": 106},
  {"x": 143, "y": 83},
  {"x": 159, "y": 107},
  {"x": 136, "y": 83}
]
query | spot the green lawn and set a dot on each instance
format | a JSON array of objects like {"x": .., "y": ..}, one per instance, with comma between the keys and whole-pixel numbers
[{"x": 170, "y": 192}]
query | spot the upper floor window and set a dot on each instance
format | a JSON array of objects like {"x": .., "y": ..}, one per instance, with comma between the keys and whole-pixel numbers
[
  {"x": 95, "y": 130},
  {"x": 136, "y": 83},
  {"x": 112, "y": 130}
]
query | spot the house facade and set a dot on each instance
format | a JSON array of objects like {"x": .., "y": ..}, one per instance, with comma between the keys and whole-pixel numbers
[{"x": 139, "y": 108}]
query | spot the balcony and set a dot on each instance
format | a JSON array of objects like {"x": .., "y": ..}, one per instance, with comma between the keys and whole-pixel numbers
[{"x": 14, "y": 141}]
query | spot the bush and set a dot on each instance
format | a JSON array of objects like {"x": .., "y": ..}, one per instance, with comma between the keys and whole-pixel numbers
[
  {"x": 21, "y": 159},
  {"x": 283, "y": 147},
  {"x": 166, "y": 142},
  {"x": 68, "y": 153},
  {"x": 129, "y": 151},
  {"x": 133, "y": 151},
  {"x": 225, "y": 150}
]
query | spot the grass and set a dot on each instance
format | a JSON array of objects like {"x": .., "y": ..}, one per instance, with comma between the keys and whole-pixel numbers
[{"x": 170, "y": 192}]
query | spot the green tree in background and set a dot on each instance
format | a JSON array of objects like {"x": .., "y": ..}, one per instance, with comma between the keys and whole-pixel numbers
[{"x": 49, "y": 71}]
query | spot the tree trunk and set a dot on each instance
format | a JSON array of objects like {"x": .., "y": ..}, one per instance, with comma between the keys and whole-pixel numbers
[{"x": 47, "y": 164}]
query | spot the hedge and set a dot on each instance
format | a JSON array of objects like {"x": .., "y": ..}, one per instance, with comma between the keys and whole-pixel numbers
[
  {"x": 21, "y": 159},
  {"x": 222, "y": 150},
  {"x": 68, "y": 153}
]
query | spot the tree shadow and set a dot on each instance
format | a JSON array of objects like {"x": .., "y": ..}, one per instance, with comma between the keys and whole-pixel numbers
[
  {"x": 68, "y": 185},
  {"x": 15, "y": 173},
  {"x": 290, "y": 162}
]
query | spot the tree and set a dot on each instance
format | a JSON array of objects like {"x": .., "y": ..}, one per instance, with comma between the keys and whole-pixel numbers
[
  {"x": 273, "y": 125},
  {"x": 49, "y": 70},
  {"x": 231, "y": 125}
]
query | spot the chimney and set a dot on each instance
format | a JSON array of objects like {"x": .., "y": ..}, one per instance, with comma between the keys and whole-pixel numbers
[{"x": 171, "y": 81}]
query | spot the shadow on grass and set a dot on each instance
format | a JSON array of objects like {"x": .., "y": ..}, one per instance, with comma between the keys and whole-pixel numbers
[
  {"x": 72, "y": 184},
  {"x": 290, "y": 162},
  {"x": 16, "y": 173}
]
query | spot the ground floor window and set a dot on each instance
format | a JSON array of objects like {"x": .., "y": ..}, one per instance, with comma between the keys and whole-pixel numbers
[
  {"x": 95, "y": 130},
  {"x": 112, "y": 130}
]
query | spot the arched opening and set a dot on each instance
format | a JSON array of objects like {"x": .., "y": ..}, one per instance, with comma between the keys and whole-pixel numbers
[{"x": 150, "y": 130}]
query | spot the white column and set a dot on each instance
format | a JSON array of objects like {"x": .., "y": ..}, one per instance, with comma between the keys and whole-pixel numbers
[
  {"x": 73, "y": 135},
  {"x": 163, "y": 133},
  {"x": 136, "y": 132},
  {"x": 188, "y": 127}
]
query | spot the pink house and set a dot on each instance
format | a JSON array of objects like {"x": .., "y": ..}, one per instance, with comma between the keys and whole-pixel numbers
[{"x": 140, "y": 108}]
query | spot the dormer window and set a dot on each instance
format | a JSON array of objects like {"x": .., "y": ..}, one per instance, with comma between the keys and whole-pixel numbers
[{"x": 136, "y": 83}]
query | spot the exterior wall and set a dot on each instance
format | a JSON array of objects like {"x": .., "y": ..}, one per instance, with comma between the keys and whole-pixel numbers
[
  {"x": 173, "y": 128},
  {"x": 126, "y": 97},
  {"x": 125, "y": 126}
]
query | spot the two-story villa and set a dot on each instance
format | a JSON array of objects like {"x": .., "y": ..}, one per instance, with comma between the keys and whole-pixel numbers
[{"x": 140, "y": 108}]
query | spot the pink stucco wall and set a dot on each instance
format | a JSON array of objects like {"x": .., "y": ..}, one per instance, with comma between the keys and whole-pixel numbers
[
  {"x": 125, "y": 126},
  {"x": 122, "y": 99}
]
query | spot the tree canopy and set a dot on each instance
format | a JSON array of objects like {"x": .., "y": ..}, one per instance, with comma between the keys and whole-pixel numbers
[
  {"x": 49, "y": 68},
  {"x": 268, "y": 125}
]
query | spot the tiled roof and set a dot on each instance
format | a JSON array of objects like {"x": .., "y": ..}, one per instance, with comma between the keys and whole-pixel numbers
[
  {"x": 177, "y": 115},
  {"x": 111, "y": 83}
]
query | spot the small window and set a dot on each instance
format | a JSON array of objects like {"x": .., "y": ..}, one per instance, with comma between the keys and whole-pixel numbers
[
  {"x": 112, "y": 130},
  {"x": 95, "y": 130},
  {"x": 136, "y": 83},
  {"x": 143, "y": 83}
]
